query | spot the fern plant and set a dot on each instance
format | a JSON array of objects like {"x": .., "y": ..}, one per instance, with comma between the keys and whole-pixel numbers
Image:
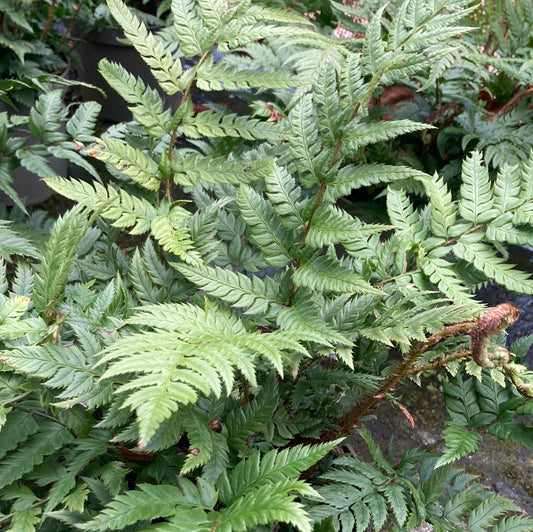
[{"x": 205, "y": 376}]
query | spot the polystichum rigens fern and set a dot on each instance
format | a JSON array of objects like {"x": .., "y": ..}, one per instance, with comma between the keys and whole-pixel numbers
[{"x": 199, "y": 379}]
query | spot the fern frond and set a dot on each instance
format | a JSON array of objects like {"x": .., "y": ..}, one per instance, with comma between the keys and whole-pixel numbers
[
  {"x": 476, "y": 203},
  {"x": 443, "y": 211},
  {"x": 164, "y": 68},
  {"x": 459, "y": 442},
  {"x": 515, "y": 523},
  {"x": 125, "y": 210},
  {"x": 358, "y": 134},
  {"x": 148, "y": 502},
  {"x": 485, "y": 515},
  {"x": 502, "y": 229},
  {"x": 128, "y": 160},
  {"x": 484, "y": 258},
  {"x": 18, "y": 427},
  {"x": 441, "y": 272},
  {"x": 507, "y": 189},
  {"x": 145, "y": 103},
  {"x": 331, "y": 225},
  {"x": 286, "y": 197},
  {"x": 524, "y": 214},
  {"x": 13, "y": 244},
  {"x": 46, "y": 117},
  {"x": 83, "y": 122},
  {"x": 60, "y": 252},
  {"x": 237, "y": 289},
  {"x": 324, "y": 273},
  {"x": 305, "y": 144},
  {"x": 242, "y": 423},
  {"x": 195, "y": 358},
  {"x": 214, "y": 124},
  {"x": 353, "y": 177},
  {"x": 171, "y": 231},
  {"x": 60, "y": 368},
  {"x": 218, "y": 77},
  {"x": 267, "y": 232},
  {"x": 194, "y": 36},
  {"x": 33, "y": 451}
]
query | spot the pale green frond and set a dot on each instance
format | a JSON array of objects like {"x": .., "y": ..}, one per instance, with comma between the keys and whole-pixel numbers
[
  {"x": 46, "y": 117},
  {"x": 13, "y": 244},
  {"x": 164, "y": 68},
  {"x": 145, "y": 103},
  {"x": 194, "y": 167},
  {"x": 484, "y": 516},
  {"x": 374, "y": 48},
  {"x": 194, "y": 36},
  {"x": 267, "y": 504},
  {"x": 126, "y": 159},
  {"x": 305, "y": 144},
  {"x": 303, "y": 318},
  {"x": 485, "y": 259},
  {"x": 172, "y": 233},
  {"x": 124, "y": 209},
  {"x": 267, "y": 231},
  {"x": 323, "y": 273},
  {"x": 214, "y": 124},
  {"x": 524, "y": 214},
  {"x": 332, "y": 115},
  {"x": 443, "y": 211},
  {"x": 507, "y": 189},
  {"x": 515, "y": 523},
  {"x": 358, "y": 134},
  {"x": 331, "y": 225},
  {"x": 502, "y": 229},
  {"x": 476, "y": 203},
  {"x": 526, "y": 182},
  {"x": 147, "y": 502},
  {"x": 241, "y": 291},
  {"x": 441, "y": 272},
  {"x": 401, "y": 213},
  {"x": 83, "y": 122},
  {"x": 285, "y": 196},
  {"x": 61, "y": 250},
  {"x": 459, "y": 442},
  {"x": 218, "y": 77},
  {"x": 353, "y": 177}
]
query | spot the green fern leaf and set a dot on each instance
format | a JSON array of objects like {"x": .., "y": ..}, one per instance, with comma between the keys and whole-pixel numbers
[
  {"x": 214, "y": 124},
  {"x": 194, "y": 37},
  {"x": 267, "y": 232},
  {"x": 13, "y": 244},
  {"x": 286, "y": 197},
  {"x": 476, "y": 203},
  {"x": 267, "y": 504},
  {"x": 173, "y": 235},
  {"x": 25, "y": 519},
  {"x": 18, "y": 427},
  {"x": 125, "y": 210},
  {"x": 128, "y": 160},
  {"x": 242, "y": 423},
  {"x": 396, "y": 498},
  {"x": 441, "y": 272},
  {"x": 524, "y": 214},
  {"x": 50, "y": 438},
  {"x": 83, "y": 122},
  {"x": 46, "y": 117},
  {"x": 374, "y": 54},
  {"x": 241, "y": 291},
  {"x": 60, "y": 253},
  {"x": 483, "y": 517},
  {"x": 459, "y": 441},
  {"x": 402, "y": 215},
  {"x": 359, "y": 134},
  {"x": 323, "y": 273},
  {"x": 353, "y": 177},
  {"x": 145, "y": 103},
  {"x": 164, "y": 68},
  {"x": 502, "y": 229},
  {"x": 148, "y": 502},
  {"x": 507, "y": 189},
  {"x": 515, "y": 523},
  {"x": 484, "y": 259},
  {"x": 64, "y": 368},
  {"x": 305, "y": 144},
  {"x": 217, "y": 77},
  {"x": 443, "y": 212},
  {"x": 331, "y": 225}
]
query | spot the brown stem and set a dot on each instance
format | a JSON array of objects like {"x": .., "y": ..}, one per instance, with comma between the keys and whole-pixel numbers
[
  {"x": 406, "y": 369},
  {"x": 513, "y": 102},
  {"x": 49, "y": 20},
  {"x": 70, "y": 27}
]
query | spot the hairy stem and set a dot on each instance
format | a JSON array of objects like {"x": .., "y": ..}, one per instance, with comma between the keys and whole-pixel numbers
[{"x": 513, "y": 102}]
